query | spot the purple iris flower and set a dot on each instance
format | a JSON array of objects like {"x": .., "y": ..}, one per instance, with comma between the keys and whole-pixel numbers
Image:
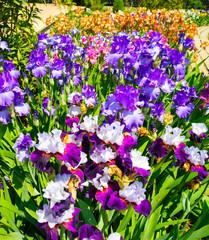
[
  {"x": 175, "y": 56},
  {"x": 42, "y": 161},
  {"x": 181, "y": 38},
  {"x": 71, "y": 155},
  {"x": 38, "y": 63},
  {"x": 180, "y": 70},
  {"x": 5, "y": 116},
  {"x": 109, "y": 197},
  {"x": 111, "y": 106},
  {"x": 87, "y": 232},
  {"x": 155, "y": 36},
  {"x": 7, "y": 82},
  {"x": 180, "y": 153},
  {"x": 77, "y": 80},
  {"x": 151, "y": 93},
  {"x": 89, "y": 93},
  {"x": 158, "y": 148},
  {"x": 57, "y": 69},
  {"x": 70, "y": 121},
  {"x": 52, "y": 233},
  {"x": 188, "y": 43},
  {"x": 73, "y": 224},
  {"x": 113, "y": 58},
  {"x": 4, "y": 45},
  {"x": 202, "y": 172},
  {"x": 133, "y": 119},
  {"x": 10, "y": 67},
  {"x": 45, "y": 106},
  {"x": 127, "y": 97},
  {"x": 144, "y": 207},
  {"x": 22, "y": 143},
  {"x": 182, "y": 103},
  {"x": 6, "y": 98},
  {"x": 121, "y": 44}
]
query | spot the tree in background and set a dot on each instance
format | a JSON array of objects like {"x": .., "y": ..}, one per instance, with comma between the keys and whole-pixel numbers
[{"x": 118, "y": 5}]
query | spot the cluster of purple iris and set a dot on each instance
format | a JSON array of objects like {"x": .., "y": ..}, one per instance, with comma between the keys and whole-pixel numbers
[{"x": 11, "y": 95}]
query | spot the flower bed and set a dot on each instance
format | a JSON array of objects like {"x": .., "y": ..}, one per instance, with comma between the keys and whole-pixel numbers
[{"x": 109, "y": 141}]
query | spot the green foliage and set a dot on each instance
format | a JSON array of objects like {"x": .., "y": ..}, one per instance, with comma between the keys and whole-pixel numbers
[
  {"x": 16, "y": 28},
  {"x": 194, "y": 4},
  {"x": 94, "y": 4},
  {"x": 68, "y": 3},
  {"x": 118, "y": 5},
  {"x": 160, "y": 4}
]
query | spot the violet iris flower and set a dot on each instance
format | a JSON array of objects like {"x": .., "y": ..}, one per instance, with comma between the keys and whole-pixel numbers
[
  {"x": 22, "y": 143},
  {"x": 38, "y": 63},
  {"x": 87, "y": 232}
]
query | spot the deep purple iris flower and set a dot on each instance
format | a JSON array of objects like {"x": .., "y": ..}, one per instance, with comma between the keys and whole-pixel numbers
[
  {"x": 42, "y": 161},
  {"x": 158, "y": 148},
  {"x": 109, "y": 197},
  {"x": 89, "y": 232},
  {"x": 71, "y": 155},
  {"x": 202, "y": 172},
  {"x": 144, "y": 207},
  {"x": 188, "y": 43},
  {"x": 175, "y": 56},
  {"x": 180, "y": 153}
]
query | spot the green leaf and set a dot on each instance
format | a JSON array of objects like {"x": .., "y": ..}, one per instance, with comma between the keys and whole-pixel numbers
[
  {"x": 197, "y": 223},
  {"x": 164, "y": 224},
  {"x": 6, "y": 213},
  {"x": 151, "y": 224},
  {"x": 12, "y": 236},
  {"x": 87, "y": 213},
  {"x": 2, "y": 130},
  {"x": 8, "y": 206},
  {"x": 158, "y": 199},
  {"x": 125, "y": 220},
  {"x": 200, "y": 233}
]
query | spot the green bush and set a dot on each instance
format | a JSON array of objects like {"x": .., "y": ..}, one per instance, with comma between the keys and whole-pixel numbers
[
  {"x": 118, "y": 5},
  {"x": 94, "y": 4},
  {"x": 196, "y": 4},
  {"x": 160, "y": 4},
  {"x": 16, "y": 28}
]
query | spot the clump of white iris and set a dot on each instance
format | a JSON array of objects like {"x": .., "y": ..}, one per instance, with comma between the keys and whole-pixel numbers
[
  {"x": 89, "y": 124},
  {"x": 138, "y": 160},
  {"x": 112, "y": 133},
  {"x": 172, "y": 136},
  {"x": 103, "y": 155},
  {"x": 47, "y": 215},
  {"x": 51, "y": 142},
  {"x": 196, "y": 156},
  {"x": 134, "y": 193},
  {"x": 56, "y": 191},
  {"x": 199, "y": 128}
]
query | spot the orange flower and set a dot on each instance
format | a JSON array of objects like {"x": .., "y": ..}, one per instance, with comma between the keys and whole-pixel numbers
[{"x": 204, "y": 45}]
